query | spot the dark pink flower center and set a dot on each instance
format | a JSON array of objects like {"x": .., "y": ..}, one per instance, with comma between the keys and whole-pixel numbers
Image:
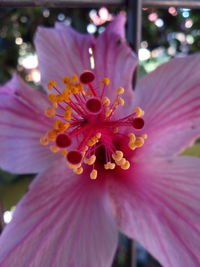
[{"x": 86, "y": 124}]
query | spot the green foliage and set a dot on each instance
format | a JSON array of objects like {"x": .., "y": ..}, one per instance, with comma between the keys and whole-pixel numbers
[
  {"x": 11, "y": 193},
  {"x": 22, "y": 22},
  {"x": 193, "y": 151}
]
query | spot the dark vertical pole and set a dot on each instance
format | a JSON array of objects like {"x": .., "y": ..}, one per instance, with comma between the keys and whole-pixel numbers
[
  {"x": 134, "y": 30},
  {"x": 1, "y": 217},
  {"x": 134, "y": 23},
  {"x": 134, "y": 34}
]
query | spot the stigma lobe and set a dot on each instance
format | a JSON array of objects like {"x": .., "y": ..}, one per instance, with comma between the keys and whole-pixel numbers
[
  {"x": 74, "y": 157},
  {"x": 94, "y": 105},
  {"x": 63, "y": 140},
  {"x": 87, "y": 77},
  {"x": 138, "y": 123}
]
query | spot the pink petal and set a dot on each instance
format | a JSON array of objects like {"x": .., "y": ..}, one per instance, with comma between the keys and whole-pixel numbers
[
  {"x": 159, "y": 205},
  {"x": 64, "y": 220},
  {"x": 170, "y": 97},
  {"x": 115, "y": 59},
  {"x": 62, "y": 52},
  {"x": 22, "y": 123}
]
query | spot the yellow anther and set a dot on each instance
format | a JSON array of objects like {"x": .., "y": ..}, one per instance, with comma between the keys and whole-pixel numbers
[
  {"x": 57, "y": 124},
  {"x": 105, "y": 81},
  {"x": 144, "y": 136},
  {"x": 105, "y": 101},
  {"x": 69, "y": 86},
  {"x": 78, "y": 170},
  {"x": 66, "y": 80},
  {"x": 108, "y": 112},
  {"x": 120, "y": 100},
  {"x": 132, "y": 137},
  {"x": 68, "y": 115},
  {"x": 52, "y": 135},
  {"x": 98, "y": 135},
  {"x": 55, "y": 105},
  {"x": 66, "y": 93},
  {"x": 80, "y": 87},
  {"x": 65, "y": 126},
  {"x": 74, "y": 167},
  {"x": 120, "y": 90},
  {"x": 75, "y": 78},
  {"x": 50, "y": 112},
  {"x": 93, "y": 141},
  {"x": 91, "y": 160},
  {"x": 44, "y": 141},
  {"x": 64, "y": 152},
  {"x": 60, "y": 98},
  {"x": 109, "y": 166},
  {"x": 132, "y": 145},
  {"x": 139, "y": 141},
  {"x": 52, "y": 97},
  {"x": 93, "y": 174},
  {"x": 54, "y": 149},
  {"x": 120, "y": 162},
  {"x": 51, "y": 84},
  {"x": 139, "y": 112},
  {"x": 126, "y": 165},
  {"x": 116, "y": 130},
  {"x": 60, "y": 126},
  {"x": 90, "y": 143},
  {"x": 106, "y": 166},
  {"x": 75, "y": 90},
  {"x": 67, "y": 98},
  {"x": 116, "y": 104},
  {"x": 112, "y": 166},
  {"x": 118, "y": 155}
]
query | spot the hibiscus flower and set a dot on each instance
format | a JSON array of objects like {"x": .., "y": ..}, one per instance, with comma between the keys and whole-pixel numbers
[{"x": 106, "y": 156}]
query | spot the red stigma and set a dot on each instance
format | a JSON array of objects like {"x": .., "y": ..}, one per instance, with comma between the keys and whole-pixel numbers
[
  {"x": 74, "y": 157},
  {"x": 63, "y": 141},
  {"x": 87, "y": 77},
  {"x": 138, "y": 123},
  {"x": 94, "y": 105}
]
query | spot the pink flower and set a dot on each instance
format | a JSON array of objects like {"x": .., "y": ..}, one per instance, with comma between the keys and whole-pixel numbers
[{"x": 71, "y": 220}]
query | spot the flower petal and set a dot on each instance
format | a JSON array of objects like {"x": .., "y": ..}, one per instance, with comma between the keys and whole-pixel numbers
[
  {"x": 22, "y": 123},
  {"x": 115, "y": 59},
  {"x": 64, "y": 220},
  {"x": 170, "y": 97},
  {"x": 61, "y": 52},
  {"x": 159, "y": 205}
]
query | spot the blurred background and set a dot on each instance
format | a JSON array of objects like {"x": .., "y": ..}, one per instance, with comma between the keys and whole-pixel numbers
[{"x": 166, "y": 33}]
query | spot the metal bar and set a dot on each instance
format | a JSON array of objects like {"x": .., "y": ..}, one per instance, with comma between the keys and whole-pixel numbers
[
  {"x": 1, "y": 217},
  {"x": 174, "y": 3},
  {"x": 134, "y": 33},
  {"x": 134, "y": 23},
  {"x": 97, "y": 3},
  {"x": 134, "y": 28},
  {"x": 62, "y": 3}
]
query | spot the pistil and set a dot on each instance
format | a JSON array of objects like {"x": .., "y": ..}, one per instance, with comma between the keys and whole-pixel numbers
[{"x": 86, "y": 124}]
